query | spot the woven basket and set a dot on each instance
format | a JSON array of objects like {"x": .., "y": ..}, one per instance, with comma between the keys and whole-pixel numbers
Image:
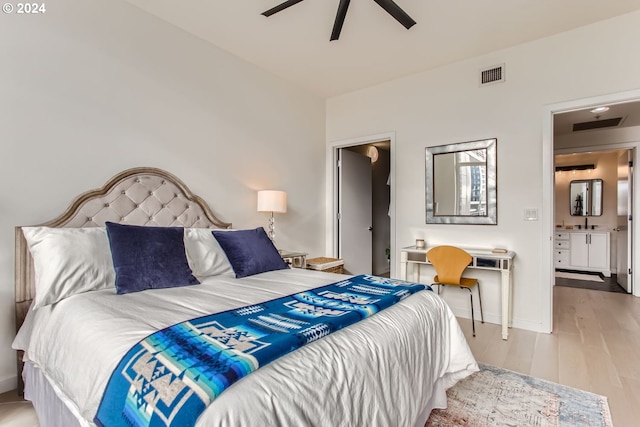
[
  {"x": 337, "y": 269},
  {"x": 315, "y": 263}
]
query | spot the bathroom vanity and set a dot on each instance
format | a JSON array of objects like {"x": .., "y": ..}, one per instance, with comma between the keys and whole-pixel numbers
[
  {"x": 581, "y": 247},
  {"x": 583, "y": 250}
]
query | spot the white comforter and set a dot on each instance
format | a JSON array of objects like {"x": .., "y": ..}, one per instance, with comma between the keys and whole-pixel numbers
[{"x": 381, "y": 371}]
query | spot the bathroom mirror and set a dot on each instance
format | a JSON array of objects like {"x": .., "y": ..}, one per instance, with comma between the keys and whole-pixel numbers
[
  {"x": 586, "y": 197},
  {"x": 461, "y": 185}
]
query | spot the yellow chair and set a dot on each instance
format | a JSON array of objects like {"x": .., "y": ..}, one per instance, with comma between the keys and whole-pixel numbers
[{"x": 450, "y": 262}]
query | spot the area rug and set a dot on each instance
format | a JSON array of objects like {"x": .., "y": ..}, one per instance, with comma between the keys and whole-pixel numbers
[
  {"x": 579, "y": 276},
  {"x": 498, "y": 397}
]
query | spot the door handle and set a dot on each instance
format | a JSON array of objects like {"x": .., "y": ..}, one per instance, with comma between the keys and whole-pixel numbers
[{"x": 370, "y": 228}]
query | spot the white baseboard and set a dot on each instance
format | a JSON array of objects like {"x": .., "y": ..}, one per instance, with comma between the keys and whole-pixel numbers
[
  {"x": 8, "y": 383},
  {"x": 465, "y": 313},
  {"x": 529, "y": 325}
]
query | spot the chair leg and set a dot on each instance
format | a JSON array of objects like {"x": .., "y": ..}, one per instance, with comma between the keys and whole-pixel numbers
[
  {"x": 480, "y": 298},
  {"x": 473, "y": 322}
]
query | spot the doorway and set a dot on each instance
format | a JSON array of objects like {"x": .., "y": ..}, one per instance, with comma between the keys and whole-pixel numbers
[
  {"x": 578, "y": 144},
  {"x": 377, "y": 231},
  {"x": 593, "y": 211},
  {"x": 346, "y": 238}
]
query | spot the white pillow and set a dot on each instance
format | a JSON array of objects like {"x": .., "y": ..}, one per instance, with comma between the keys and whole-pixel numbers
[
  {"x": 204, "y": 254},
  {"x": 69, "y": 261}
]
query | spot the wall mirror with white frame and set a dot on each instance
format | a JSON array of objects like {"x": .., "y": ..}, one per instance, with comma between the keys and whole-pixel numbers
[{"x": 461, "y": 183}]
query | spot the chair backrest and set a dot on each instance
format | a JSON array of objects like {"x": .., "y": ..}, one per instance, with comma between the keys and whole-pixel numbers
[{"x": 449, "y": 262}]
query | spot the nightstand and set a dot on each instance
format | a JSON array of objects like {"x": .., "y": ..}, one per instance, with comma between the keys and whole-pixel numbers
[{"x": 294, "y": 259}]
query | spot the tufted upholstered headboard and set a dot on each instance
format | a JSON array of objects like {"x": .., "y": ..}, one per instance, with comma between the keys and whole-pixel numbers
[{"x": 139, "y": 196}]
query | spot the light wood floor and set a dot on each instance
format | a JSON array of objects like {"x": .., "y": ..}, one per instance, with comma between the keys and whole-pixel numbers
[
  {"x": 595, "y": 346},
  {"x": 15, "y": 412}
]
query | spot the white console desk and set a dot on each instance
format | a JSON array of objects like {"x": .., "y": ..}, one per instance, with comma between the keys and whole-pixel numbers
[{"x": 483, "y": 259}]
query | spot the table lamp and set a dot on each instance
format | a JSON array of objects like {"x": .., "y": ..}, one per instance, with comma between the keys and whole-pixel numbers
[{"x": 274, "y": 202}]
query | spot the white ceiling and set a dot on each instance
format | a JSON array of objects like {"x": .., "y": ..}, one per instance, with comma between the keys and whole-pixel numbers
[{"x": 373, "y": 47}]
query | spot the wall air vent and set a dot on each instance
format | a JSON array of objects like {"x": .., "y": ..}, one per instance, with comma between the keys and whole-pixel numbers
[
  {"x": 492, "y": 75},
  {"x": 597, "y": 124}
]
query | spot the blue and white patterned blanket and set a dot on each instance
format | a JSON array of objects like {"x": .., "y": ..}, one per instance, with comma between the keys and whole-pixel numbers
[{"x": 171, "y": 376}]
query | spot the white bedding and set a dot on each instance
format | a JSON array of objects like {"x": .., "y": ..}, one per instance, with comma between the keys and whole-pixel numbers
[{"x": 379, "y": 372}]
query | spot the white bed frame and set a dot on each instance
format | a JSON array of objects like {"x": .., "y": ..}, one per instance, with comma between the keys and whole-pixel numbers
[{"x": 138, "y": 196}]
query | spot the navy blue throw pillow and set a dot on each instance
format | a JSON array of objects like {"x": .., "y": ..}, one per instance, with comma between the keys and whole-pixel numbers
[
  {"x": 148, "y": 257},
  {"x": 250, "y": 251}
]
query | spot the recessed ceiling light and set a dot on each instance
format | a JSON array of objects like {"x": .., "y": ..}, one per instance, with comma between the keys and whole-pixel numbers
[{"x": 599, "y": 110}]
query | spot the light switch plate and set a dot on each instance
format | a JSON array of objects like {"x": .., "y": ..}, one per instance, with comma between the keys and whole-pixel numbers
[{"x": 531, "y": 214}]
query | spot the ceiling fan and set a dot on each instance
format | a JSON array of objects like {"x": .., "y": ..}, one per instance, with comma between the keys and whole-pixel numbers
[{"x": 392, "y": 9}]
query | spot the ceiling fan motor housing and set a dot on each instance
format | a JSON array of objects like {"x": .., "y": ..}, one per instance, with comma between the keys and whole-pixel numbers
[{"x": 388, "y": 5}]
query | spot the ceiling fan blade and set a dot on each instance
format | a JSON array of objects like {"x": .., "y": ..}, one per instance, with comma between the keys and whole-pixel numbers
[
  {"x": 340, "y": 15},
  {"x": 395, "y": 11},
  {"x": 281, "y": 6}
]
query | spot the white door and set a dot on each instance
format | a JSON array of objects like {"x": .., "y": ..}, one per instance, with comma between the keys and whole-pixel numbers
[
  {"x": 354, "y": 212},
  {"x": 598, "y": 250},
  {"x": 579, "y": 249},
  {"x": 624, "y": 229}
]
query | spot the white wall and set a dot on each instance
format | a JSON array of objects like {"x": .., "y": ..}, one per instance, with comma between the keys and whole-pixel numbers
[
  {"x": 446, "y": 105},
  {"x": 92, "y": 88}
]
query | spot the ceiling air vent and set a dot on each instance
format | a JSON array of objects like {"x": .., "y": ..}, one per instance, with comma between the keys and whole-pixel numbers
[
  {"x": 597, "y": 124},
  {"x": 492, "y": 75}
]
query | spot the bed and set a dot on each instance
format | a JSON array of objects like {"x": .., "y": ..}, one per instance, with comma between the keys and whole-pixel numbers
[{"x": 391, "y": 368}]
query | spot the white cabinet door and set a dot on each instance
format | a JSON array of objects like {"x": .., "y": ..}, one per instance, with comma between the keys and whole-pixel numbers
[
  {"x": 579, "y": 249},
  {"x": 599, "y": 250}
]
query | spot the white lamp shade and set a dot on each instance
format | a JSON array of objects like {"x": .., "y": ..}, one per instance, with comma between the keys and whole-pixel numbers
[{"x": 272, "y": 201}]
